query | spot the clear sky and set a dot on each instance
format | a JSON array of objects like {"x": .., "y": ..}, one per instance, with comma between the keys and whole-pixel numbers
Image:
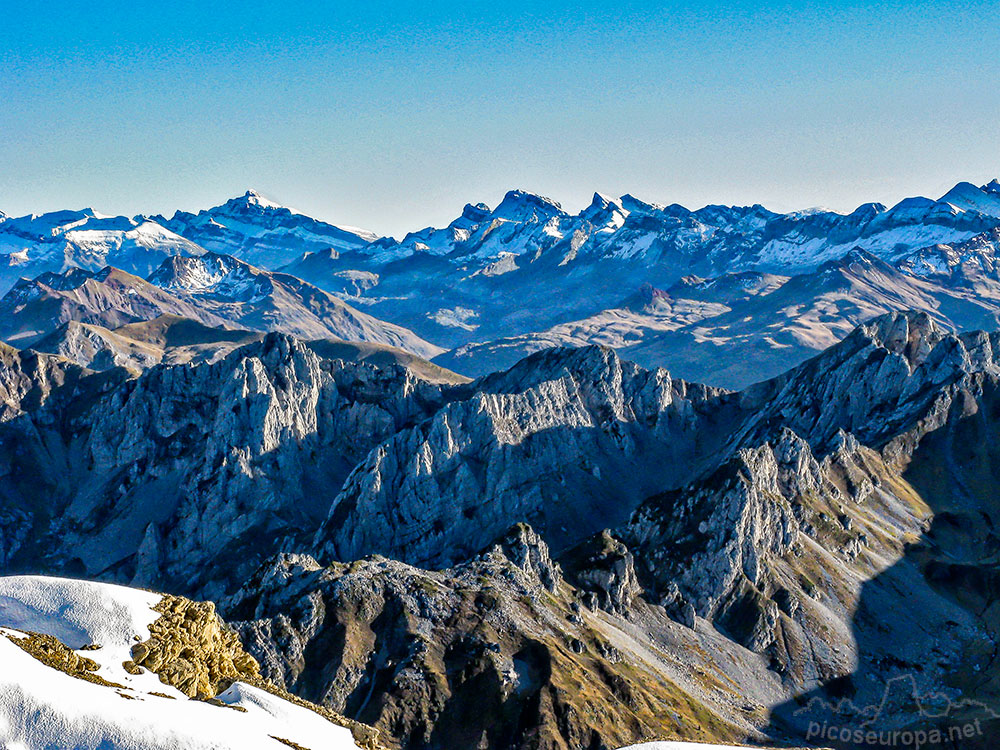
[{"x": 392, "y": 115}]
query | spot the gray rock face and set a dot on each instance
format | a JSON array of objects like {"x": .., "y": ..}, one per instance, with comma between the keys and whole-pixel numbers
[
  {"x": 97, "y": 348},
  {"x": 275, "y": 441},
  {"x": 605, "y": 569},
  {"x": 523, "y": 547},
  {"x": 27, "y": 379},
  {"x": 495, "y": 652},
  {"x": 876, "y": 384},
  {"x": 223, "y": 462},
  {"x": 553, "y": 441},
  {"x": 721, "y": 529}
]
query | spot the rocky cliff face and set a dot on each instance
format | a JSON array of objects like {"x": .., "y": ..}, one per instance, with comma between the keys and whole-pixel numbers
[
  {"x": 27, "y": 379},
  {"x": 183, "y": 464},
  {"x": 496, "y": 652},
  {"x": 553, "y": 441},
  {"x": 803, "y": 540}
]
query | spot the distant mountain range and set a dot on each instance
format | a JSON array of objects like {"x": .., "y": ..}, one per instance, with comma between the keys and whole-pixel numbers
[
  {"x": 215, "y": 290},
  {"x": 693, "y": 291}
]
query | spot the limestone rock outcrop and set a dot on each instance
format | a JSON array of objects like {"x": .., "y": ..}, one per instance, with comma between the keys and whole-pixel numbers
[{"x": 191, "y": 649}]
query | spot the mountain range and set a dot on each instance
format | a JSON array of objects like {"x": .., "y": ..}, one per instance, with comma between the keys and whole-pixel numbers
[
  {"x": 462, "y": 491},
  {"x": 653, "y": 281},
  {"x": 548, "y": 555}
]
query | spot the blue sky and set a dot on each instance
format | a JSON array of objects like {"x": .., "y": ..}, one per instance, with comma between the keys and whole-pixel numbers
[{"x": 391, "y": 115}]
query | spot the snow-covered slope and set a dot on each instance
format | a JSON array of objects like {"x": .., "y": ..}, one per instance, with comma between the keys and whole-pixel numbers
[
  {"x": 261, "y": 232},
  {"x": 967, "y": 197},
  {"x": 260, "y": 300},
  {"x": 30, "y": 245},
  {"x": 44, "y": 707},
  {"x": 528, "y": 264}
]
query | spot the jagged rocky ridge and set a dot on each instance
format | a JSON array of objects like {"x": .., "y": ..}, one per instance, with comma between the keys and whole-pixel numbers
[
  {"x": 495, "y": 652},
  {"x": 740, "y": 549}
]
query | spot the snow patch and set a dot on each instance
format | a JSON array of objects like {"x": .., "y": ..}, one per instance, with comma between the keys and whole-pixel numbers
[{"x": 41, "y": 707}]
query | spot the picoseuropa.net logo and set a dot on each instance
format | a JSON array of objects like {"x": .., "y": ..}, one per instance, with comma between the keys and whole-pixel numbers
[{"x": 903, "y": 718}]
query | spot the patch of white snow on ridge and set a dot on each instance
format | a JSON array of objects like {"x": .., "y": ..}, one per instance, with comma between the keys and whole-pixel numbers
[
  {"x": 456, "y": 317},
  {"x": 888, "y": 245},
  {"x": 78, "y": 613},
  {"x": 42, "y": 707},
  {"x": 84, "y": 613}
]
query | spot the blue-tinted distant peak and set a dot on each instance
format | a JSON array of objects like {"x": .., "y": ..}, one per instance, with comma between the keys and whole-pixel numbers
[
  {"x": 520, "y": 205},
  {"x": 252, "y": 200},
  {"x": 634, "y": 205},
  {"x": 475, "y": 212}
]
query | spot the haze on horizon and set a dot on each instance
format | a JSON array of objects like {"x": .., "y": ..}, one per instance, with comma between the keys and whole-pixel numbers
[{"x": 391, "y": 116}]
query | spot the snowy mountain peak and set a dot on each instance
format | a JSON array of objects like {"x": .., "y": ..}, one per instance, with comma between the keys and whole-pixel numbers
[
  {"x": 961, "y": 191},
  {"x": 605, "y": 212},
  {"x": 519, "y": 205},
  {"x": 916, "y": 202},
  {"x": 251, "y": 201},
  {"x": 601, "y": 202},
  {"x": 262, "y": 232},
  {"x": 967, "y": 197},
  {"x": 867, "y": 211},
  {"x": 634, "y": 205},
  {"x": 993, "y": 186},
  {"x": 474, "y": 213},
  {"x": 198, "y": 275},
  {"x": 56, "y": 223}
]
